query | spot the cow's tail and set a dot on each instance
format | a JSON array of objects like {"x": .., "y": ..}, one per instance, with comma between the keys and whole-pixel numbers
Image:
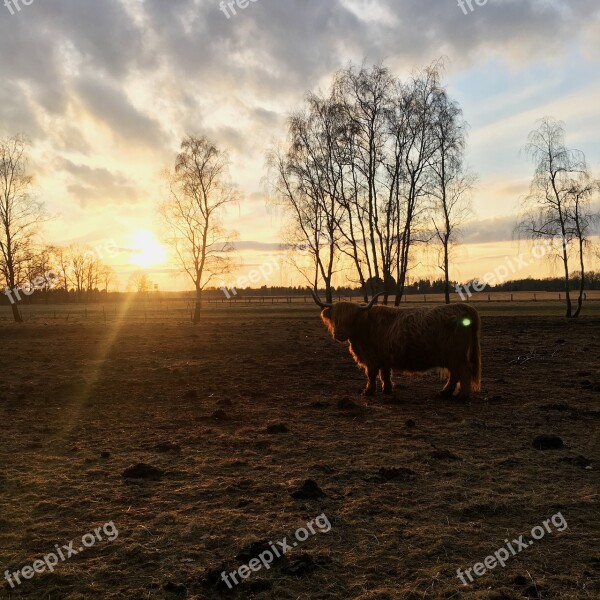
[{"x": 475, "y": 354}]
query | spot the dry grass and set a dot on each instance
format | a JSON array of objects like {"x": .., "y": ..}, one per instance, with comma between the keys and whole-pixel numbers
[{"x": 71, "y": 391}]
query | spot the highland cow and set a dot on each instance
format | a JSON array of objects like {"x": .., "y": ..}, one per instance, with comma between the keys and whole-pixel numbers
[{"x": 409, "y": 340}]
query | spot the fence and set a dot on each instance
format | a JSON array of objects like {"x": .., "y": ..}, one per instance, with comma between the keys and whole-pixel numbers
[{"x": 412, "y": 298}]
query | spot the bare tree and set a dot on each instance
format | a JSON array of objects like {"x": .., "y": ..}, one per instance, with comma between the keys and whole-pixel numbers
[
  {"x": 92, "y": 272},
  {"x": 200, "y": 190},
  {"x": 554, "y": 200},
  {"x": 20, "y": 214},
  {"x": 77, "y": 268},
  {"x": 582, "y": 220},
  {"x": 418, "y": 99},
  {"x": 450, "y": 182},
  {"x": 38, "y": 272},
  {"x": 139, "y": 282},
  {"x": 60, "y": 256},
  {"x": 361, "y": 165},
  {"x": 307, "y": 181},
  {"x": 106, "y": 276},
  {"x": 365, "y": 97}
]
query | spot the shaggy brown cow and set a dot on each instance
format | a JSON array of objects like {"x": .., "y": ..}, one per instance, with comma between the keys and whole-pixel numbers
[{"x": 409, "y": 340}]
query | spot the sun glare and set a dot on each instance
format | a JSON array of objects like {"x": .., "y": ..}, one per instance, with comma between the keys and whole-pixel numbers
[{"x": 148, "y": 250}]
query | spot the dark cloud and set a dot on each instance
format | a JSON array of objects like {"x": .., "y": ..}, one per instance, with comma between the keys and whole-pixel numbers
[
  {"x": 68, "y": 53},
  {"x": 483, "y": 231},
  {"x": 258, "y": 246},
  {"x": 110, "y": 105},
  {"x": 97, "y": 186}
]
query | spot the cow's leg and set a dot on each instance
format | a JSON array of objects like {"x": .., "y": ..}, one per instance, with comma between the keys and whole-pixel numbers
[
  {"x": 372, "y": 383},
  {"x": 450, "y": 387},
  {"x": 465, "y": 383},
  {"x": 386, "y": 378}
]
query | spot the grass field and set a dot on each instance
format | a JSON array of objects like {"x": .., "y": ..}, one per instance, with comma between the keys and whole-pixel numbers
[
  {"x": 170, "y": 307},
  {"x": 416, "y": 487}
]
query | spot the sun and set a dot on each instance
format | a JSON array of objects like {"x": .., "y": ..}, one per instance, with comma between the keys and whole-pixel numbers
[{"x": 148, "y": 251}]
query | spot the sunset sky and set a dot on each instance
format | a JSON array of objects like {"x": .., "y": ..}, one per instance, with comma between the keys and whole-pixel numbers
[{"x": 106, "y": 89}]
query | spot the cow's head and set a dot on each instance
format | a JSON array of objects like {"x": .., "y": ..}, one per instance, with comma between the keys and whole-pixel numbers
[{"x": 340, "y": 318}]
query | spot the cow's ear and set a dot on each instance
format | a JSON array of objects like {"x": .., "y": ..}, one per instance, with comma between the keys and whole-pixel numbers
[{"x": 326, "y": 314}]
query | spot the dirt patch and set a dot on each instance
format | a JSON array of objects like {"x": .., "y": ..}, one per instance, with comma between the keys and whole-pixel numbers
[{"x": 415, "y": 488}]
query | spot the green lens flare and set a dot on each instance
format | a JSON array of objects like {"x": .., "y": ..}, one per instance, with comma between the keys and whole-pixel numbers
[{"x": 466, "y": 322}]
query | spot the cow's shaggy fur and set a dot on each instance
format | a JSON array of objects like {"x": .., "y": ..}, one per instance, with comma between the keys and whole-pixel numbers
[{"x": 411, "y": 340}]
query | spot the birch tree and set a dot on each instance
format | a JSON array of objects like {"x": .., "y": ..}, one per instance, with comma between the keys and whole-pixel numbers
[
  {"x": 20, "y": 215},
  {"x": 200, "y": 191}
]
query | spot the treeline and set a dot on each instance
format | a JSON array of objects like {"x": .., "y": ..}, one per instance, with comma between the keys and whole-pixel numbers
[
  {"x": 550, "y": 284},
  {"x": 424, "y": 286}
]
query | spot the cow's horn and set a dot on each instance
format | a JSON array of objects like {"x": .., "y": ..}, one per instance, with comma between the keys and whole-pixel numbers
[
  {"x": 373, "y": 300},
  {"x": 318, "y": 301}
]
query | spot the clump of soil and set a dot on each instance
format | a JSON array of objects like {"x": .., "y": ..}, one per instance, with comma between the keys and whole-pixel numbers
[
  {"x": 393, "y": 474},
  {"x": 254, "y": 550},
  {"x": 164, "y": 447},
  {"x": 347, "y": 404},
  {"x": 220, "y": 415},
  {"x": 309, "y": 491},
  {"x": 548, "y": 442},
  {"x": 143, "y": 471},
  {"x": 277, "y": 428},
  {"x": 302, "y": 564},
  {"x": 438, "y": 454}
]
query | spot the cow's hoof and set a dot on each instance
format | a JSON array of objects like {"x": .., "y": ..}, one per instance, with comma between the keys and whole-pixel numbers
[
  {"x": 444, "y": 394},
  {"x": 388, "y": 391},
  {"x": 369, "y": 392}
]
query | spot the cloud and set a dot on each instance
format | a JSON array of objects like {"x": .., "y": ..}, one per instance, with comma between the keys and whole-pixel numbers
[
  {"x": 499, "y": 229},
  {"x": 109, "y": 104},
  {"x": 98, "y": 186},
  {"x": 259, "y": 246},
  {"x": 148, "y": 72},
  {"x": 268, "y": 55}
]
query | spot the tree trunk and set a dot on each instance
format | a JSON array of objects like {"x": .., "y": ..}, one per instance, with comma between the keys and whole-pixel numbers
[
  {"x": 16, "y": 313},
  {"x": 446, "y": 274},
  {"x": 567, "y": 284},
  {"x": 328, "y": 292},
  {"x": 582, "y": 283},
  {"x": 197, "y": 307}
]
